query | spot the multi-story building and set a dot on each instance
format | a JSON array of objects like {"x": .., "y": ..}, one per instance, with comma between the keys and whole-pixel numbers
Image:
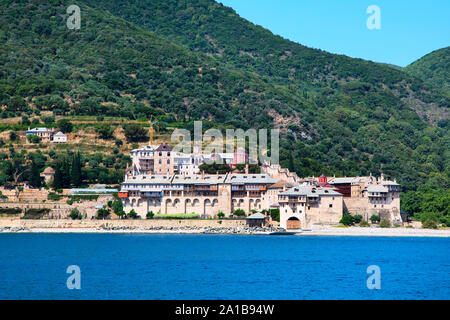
[
  {"x": 165, "y": 181},
  {"x": 163, "y": 160},
  {"x": 202, "y": 194},
  {"x": 369, "y": 196},
  {"x": 303, "y": 206},
  {"x": 142, "y": 160}
]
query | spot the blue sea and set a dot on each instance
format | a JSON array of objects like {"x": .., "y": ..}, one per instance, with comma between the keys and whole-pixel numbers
[{"x": 142, "y": 266}]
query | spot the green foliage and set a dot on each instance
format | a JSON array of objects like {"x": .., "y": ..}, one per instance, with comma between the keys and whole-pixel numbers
[
  {"x": 427, "y": 204},
  {"x": 48, "y": 119},
  {"x": 75, "y": 214},
  {"x": 433, "y": 68},
  {"x": 65, "y": 125},
  {"x": 35, "y": 178},
  {"x": 347, "y": 220},
  {"x": 239, "y": 213},
  {"x": 53, "y": 196},
  {"x": 103, "y": 213},
  {"x": 429, "y": 224},
  {"x": 10, "y": 211},
  {"x": 177, "y": 216},
  {"x": 105, "y": 131},
  {"x": 375, "y": 218},
  {"x": 385, "y": 224},
  {"x": 150, "y": 215},
  {"x": 364, "y": 224},
  {"x": 357, "y": 218},
  {"x": 214, "y": 168},
  {"x": 135, "y": 133},
  {"x": 132, "y": 214},
  {"x": 275, "y": 214},
  {"x": 33, "y": 139},
  {"x": 220, "y": 214},
  {"x": 75, "y": 170},
  {"x": 35, "y": 213},
  {"x": 13, "y": 136}
]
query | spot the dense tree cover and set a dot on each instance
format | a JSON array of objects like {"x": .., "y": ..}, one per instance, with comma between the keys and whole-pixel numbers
[
  {"x": 135, "y": 133},
  {"x": 433, "y": 68},
  {"x": 428, "y": 204},
  {"x": 72, "y": 169},
  {"x": 337, "y": 115}
]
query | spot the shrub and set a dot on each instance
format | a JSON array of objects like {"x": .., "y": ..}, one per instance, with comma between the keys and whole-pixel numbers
[
  {"x": 357, "y": 218},
  {"x": 102, "y": 213},
  {"x": 275, "y": 214},
  {"x": 239, "y": 213},
  {"x": 385, "y": 224},
  {"x": 65, "y": 125},
  {"x": 132, "y": 214},
  {"x": 53, "y": 196},
  {"x": 220, "y": 214},
  {"x": 35, "y": 213},
  {"x": 10, "y": 211},
  {"x": 75, "y": 214},
  {"x": 429, "y": 224},
  {"x": 364, "y": 224},
  {"x": 118, "y": 142},
  {"x": 13, "y": 136},
  {"x": 347, "y": 220},
  {"x": 33, "y": 139},
  {"x": 177, "y": 216},
  {"x": 150, "y": 215},
  {"x": 375, "y": 218}
]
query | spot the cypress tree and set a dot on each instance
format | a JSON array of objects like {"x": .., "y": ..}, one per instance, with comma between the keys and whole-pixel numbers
[
  {"x": 35, "y": 178},
  {"x": 291, "y": 165},
  {"x": 57, "y": 178},
  {"x": 75, "y": 173},
  {"x": 65, "y": 169}
]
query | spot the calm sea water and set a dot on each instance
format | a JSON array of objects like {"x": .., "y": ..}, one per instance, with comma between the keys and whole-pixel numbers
[{"x": 126, "y": 266}]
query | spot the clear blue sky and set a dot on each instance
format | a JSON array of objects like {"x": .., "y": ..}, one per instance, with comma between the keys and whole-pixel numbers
[{"x": 409, "y": 30}]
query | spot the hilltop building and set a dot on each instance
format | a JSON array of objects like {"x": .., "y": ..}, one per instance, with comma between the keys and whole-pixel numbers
[
  {"x": 45, "y": 134},
  {"x": 59, "y": 138},
  {"x": 163, "y": 160}
]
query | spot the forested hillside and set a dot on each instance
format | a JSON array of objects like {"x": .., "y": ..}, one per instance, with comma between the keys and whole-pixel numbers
[
  {"x": 211, "y": 28},
  {"x": 433, "y": 68},
  {"x": 190, "y": 60}
]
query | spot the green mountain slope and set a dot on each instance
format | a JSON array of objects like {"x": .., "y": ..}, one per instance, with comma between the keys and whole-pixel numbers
[
  {"x": 113, "y": 67},
  {"x": 338, "y": 115},
  {"x": 433, "y": 68},
  {"x": 211, "y": 28}
]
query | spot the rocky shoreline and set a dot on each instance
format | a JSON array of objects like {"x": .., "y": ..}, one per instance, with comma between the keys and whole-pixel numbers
[
  {"x": 236, "y": 230},
  {"x": 135, "y": 229}
]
